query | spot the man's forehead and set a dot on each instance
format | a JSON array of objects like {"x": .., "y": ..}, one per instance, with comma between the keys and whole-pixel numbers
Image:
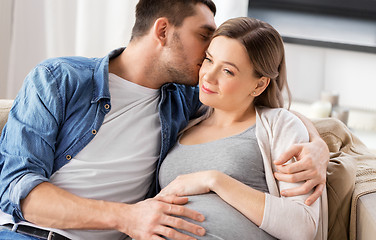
[{"x": 203, "y": 18}]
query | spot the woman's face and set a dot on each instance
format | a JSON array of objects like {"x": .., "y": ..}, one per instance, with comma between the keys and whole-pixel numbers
[{"x": 227, "y": 79}]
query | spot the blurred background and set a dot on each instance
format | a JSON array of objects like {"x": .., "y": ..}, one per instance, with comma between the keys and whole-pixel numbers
[
  {"x": 331, "y": 57},
  {"x": 330, "y": 46}
]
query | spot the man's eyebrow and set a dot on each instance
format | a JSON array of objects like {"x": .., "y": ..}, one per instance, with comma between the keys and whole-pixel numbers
[
  {"x": 228, "y": 63},
  {"x": 208, "y": 27}
]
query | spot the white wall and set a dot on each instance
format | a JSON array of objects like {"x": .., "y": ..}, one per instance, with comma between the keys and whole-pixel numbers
[
  {"x": 28, "y": 42},
  {"x": 229, "y": 9},
  {"x": 5, "y": 38},
  {"x": 352, "y": 74}
]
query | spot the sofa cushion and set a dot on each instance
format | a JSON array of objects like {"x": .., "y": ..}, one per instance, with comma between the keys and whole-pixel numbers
[
  {"x": 5, "y": 106},
  {"x": 350, "y": 162}
]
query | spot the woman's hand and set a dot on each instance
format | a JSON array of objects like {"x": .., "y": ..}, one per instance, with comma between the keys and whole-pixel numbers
[{"x": 190, "y": 184}]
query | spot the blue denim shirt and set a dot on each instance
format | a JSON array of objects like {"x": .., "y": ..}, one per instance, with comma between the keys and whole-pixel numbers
[{"x": 60, "y": 104}]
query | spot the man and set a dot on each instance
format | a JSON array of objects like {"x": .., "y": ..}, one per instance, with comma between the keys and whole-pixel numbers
[{"x": 82, "y": 141}]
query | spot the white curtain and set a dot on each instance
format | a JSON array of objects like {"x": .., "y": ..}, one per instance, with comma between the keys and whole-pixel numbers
[
  {"x": 88, "y": 28},
  {"x": 5, "y": 39},
  {"x": 33, "y": 30},
  {"x": 39, "y": 29}
]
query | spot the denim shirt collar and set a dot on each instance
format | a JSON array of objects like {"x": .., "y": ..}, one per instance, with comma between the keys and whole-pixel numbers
[{"x": 101, "y": 90}]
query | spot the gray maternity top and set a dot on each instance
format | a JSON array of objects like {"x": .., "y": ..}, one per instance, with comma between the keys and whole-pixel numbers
[{"x": 238, "y": 156}]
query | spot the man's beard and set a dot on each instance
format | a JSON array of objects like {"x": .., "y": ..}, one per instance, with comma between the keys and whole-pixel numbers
[
  {"x": 181, "y": 75},
  {"x": 178, "y": 71}
]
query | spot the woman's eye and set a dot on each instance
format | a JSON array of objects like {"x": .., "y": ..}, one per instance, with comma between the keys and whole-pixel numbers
[
  {"x": 208, "y": 59},
  {"x": 228, "y": 72}
]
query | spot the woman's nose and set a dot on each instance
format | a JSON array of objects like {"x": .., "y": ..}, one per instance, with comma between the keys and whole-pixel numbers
[{"x": 210, "y": 76}]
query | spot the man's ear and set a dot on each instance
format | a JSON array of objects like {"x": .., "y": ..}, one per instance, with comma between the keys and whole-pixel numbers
[{"x": 160, "y": 30}]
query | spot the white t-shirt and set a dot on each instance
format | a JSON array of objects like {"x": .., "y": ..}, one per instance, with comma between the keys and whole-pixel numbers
[{"x": 119, "y": 163}]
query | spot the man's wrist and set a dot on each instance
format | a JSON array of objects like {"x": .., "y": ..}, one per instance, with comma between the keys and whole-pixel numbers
[
  {"x": 114, "y": 217},
  {"x": 323, "y": 147}
]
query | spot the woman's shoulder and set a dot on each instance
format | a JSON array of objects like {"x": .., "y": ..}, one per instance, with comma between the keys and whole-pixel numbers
[
  {"x": 275, "y": 113},
  {"x": 280, "y": 118}
]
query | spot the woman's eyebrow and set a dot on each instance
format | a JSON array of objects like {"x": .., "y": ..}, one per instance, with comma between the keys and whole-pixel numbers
[
  {"x": 232, "y": 64},
  {"x": 225, "y": 62}
]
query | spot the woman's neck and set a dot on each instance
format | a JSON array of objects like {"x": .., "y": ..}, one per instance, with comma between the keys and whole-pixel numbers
[{"x": 223, "y": 118}]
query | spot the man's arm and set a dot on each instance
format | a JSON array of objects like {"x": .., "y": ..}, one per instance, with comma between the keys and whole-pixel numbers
[
  {"x": 311, "y": 165},
  {"x": 27, "y": 155},
  {"x": 49, "y": 206}
]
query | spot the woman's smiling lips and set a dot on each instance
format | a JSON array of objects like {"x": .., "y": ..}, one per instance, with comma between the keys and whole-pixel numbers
[{"x": 206, "y": 90}]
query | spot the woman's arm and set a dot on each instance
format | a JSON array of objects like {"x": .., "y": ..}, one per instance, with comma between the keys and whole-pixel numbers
[
  {"x": 247, "y": 200},
  {"x": 253, "y": 204},
  {"x": 311, "y": 165},
  {"x": 229, "y": 189},
  {"x": 283, "y": 212},
  {"x": 256, "y": 206}
]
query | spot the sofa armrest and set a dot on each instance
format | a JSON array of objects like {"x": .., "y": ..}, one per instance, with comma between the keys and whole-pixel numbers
[{"x": 366, "y": 217}]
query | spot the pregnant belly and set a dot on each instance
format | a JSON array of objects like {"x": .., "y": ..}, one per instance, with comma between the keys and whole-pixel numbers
[{"x": 223, "y": 221}]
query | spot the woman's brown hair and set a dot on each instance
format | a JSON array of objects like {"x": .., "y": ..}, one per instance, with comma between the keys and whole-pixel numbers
[{"x": 266, "y": 52}]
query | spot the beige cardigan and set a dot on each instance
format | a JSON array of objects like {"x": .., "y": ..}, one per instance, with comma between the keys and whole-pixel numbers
[{"x": 287, "y": 218}]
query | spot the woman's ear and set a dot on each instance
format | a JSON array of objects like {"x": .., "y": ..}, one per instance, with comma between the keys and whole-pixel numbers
[
  {"x": 262, "y": 84},
  {"x": 160, "y": 30}
]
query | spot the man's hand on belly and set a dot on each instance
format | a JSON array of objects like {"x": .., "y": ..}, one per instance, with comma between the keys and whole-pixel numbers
[{"x": 152, "y": 218}]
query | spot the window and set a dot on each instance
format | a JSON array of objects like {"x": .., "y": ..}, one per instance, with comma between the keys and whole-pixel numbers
[{"x": 365, "y": 9}]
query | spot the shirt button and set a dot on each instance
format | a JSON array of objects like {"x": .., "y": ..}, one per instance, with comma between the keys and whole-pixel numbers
[
  {"x": 107, "y": 106},
  {"x": 68, "y": 157},
  {"x": 94, "y": 131}
]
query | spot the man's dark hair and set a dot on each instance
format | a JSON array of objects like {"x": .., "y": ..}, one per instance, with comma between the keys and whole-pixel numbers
[{"x": 147, "y": 11}]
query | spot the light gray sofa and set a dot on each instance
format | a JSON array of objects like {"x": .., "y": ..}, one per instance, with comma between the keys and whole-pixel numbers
[
  {"x": 5, "y": 106},
  {"x": 351, "y": 180}
]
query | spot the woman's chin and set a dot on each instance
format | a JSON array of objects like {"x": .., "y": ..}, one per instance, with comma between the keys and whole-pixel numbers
[{"x": 205, "y": 101}]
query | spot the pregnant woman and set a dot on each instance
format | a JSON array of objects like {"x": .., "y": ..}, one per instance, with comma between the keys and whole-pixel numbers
[{"x": 224, "y": 160}]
